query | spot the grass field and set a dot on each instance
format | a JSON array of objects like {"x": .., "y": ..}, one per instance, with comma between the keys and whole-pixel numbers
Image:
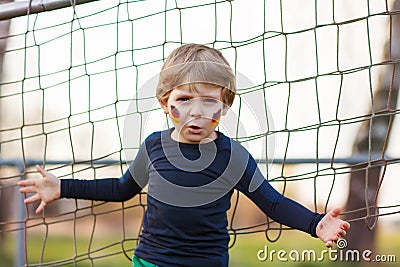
[{"x": 244, "y": 252}]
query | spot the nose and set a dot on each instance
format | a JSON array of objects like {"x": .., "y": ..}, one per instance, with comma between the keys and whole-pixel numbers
[{"x": 196, "y": 108}]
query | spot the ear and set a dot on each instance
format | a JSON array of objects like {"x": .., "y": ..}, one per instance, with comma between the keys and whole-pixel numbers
[
  {"x": 225, "y": 109},
  {"x": 163, "y": 105}
]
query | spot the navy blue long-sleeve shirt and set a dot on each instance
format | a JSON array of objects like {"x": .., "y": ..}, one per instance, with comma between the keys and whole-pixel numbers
[{"x": 189, "y": 191}]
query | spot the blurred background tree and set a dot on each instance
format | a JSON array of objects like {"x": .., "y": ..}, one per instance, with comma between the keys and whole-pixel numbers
[{"x": 373, "y": 137}]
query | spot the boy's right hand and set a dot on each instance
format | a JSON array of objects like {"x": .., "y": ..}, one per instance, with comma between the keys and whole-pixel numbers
[{"x": 47, "y": 189}]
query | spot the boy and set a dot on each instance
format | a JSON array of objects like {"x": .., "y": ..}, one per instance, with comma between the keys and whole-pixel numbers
[{"x": 191, "y": 171}]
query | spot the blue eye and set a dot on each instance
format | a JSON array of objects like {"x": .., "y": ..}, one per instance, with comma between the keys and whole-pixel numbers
[
  {"x": 210, "y": 100},
  {"x": 183, "y": 99}
]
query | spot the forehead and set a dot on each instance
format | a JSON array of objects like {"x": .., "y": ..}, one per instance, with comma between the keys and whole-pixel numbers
[{"x": 198, "y": 90}]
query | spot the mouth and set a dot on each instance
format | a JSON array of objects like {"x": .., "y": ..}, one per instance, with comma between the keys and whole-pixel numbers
[{"x": 195, "y": 129}]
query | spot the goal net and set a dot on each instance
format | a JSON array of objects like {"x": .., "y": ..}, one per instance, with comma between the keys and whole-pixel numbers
[{"x": 72, "y": 77}]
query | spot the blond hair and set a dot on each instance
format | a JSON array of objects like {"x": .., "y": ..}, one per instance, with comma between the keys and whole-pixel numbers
[{"x": 194, "y": 63}]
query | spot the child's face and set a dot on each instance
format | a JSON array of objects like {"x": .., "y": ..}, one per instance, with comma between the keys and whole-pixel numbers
[{"x": 195, "y": 113}]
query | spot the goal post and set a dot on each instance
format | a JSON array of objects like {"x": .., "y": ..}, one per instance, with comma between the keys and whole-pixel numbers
[{"x": 22, "y": 8}]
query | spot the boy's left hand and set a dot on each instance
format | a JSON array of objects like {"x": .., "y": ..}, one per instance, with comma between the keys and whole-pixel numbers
[{"x": 331, "y": 228}]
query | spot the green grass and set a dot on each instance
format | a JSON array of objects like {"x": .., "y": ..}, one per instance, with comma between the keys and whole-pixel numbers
[
  {"x": 63, "y": 251},
  {"x": 243, "y": 253}
]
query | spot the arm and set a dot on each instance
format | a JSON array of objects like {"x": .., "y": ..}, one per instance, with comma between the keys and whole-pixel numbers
[
  {"x": 284, "y": 210},
  {"x": 109, "y": 189},
  {"x": 329, "y": 228},
  {"x": 50, "y": 188}
]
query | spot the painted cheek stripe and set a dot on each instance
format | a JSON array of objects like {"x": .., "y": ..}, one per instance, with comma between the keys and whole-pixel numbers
[
  {"x": 215, "y": 118},
  {"x": 175, "y": 114}
]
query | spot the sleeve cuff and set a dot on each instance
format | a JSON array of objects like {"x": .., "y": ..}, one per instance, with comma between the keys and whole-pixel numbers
[{"x": 314, "y": 224}]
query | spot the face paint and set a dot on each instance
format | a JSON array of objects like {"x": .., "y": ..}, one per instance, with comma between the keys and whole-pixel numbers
[
  {"x": 175, "y": 114},
  {"x": 215, "y": 117}
]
